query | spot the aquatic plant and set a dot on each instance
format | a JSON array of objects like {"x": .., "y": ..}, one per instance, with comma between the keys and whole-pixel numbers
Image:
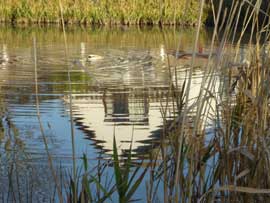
[
  {"x": 126, "y": 181},
  {"x": 90, "y": 184},
  {"x": 99, "y": 12},
  {"x": 232, "y": 164}
]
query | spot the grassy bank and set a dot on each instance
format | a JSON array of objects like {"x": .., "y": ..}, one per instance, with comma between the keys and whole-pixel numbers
[{"x": 100, "y": 12}]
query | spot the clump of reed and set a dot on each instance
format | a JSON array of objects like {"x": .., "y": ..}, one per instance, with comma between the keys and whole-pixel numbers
[
  {"x": 217, "y": 148},
  {"x": 95, "y": 185},
  {"x": 229, "y": 160},
  {"x": 100, "y": 12}
]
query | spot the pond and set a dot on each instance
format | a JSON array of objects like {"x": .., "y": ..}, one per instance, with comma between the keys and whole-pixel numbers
[{"x": 119, "y": 93}]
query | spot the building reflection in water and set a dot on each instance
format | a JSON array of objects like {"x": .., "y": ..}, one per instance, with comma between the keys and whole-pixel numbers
[
  {"x": 130, "y": 114},
  {"x": 130, "y": 107},
  {"x": 126, "y": 103},
  {"x": 4, "y": 57}
]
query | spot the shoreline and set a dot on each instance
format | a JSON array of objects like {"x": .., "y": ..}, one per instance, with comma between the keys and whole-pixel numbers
[
  {"x": 91, "y": 24},
  {"x": 102, "y": 12}
]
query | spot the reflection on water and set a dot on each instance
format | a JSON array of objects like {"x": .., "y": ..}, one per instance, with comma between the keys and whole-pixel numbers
[
  {"x": 119, "y": 94},
  {"x": 130, "y": 114}
]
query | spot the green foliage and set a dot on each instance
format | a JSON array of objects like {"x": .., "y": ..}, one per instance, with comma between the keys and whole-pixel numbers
[
  {"x": 100, "y": 12},
  {"x": 126, "y": 186},
  {"x": 86, "y": 183},
  {"x": 126, "y": 181}
]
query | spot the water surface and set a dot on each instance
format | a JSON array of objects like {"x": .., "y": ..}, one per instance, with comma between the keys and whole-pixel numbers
[
  {"x": 120, "y": 94},
  {"x": 122, "y": 91}
]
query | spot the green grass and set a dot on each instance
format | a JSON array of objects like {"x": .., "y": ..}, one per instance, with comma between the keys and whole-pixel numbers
[
  {"x": 91, "y": 185},
  {"x": 100, "y": 12}
]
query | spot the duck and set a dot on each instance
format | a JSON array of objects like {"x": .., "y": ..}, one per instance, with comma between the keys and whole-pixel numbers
[
  {"x": 93, "y": 57},
  {"x": 4, "y": 60},
  {"x": 185, "y": 55},
  {"x": 188, "y": 55}
]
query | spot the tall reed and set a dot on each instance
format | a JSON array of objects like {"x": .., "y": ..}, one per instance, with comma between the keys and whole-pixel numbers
[
  {"x": 217, "y": 148},
  {"x": 232, "y": 165},
  {"x": 99, "y": 12}
]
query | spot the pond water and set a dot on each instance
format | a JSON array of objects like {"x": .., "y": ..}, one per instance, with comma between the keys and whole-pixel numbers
[{"x": 119, "y": 94}]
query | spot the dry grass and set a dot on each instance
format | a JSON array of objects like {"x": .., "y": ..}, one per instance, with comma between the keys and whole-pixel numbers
[{"x": 233, "y": 165}]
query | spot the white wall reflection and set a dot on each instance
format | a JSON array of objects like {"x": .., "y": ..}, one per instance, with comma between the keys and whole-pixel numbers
[
  {"x": 130, "y": 117},
  {"x": 162, "y": 52},
  {"x": 83, "y": 53},
  {"x": 4, "y": 56}
]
